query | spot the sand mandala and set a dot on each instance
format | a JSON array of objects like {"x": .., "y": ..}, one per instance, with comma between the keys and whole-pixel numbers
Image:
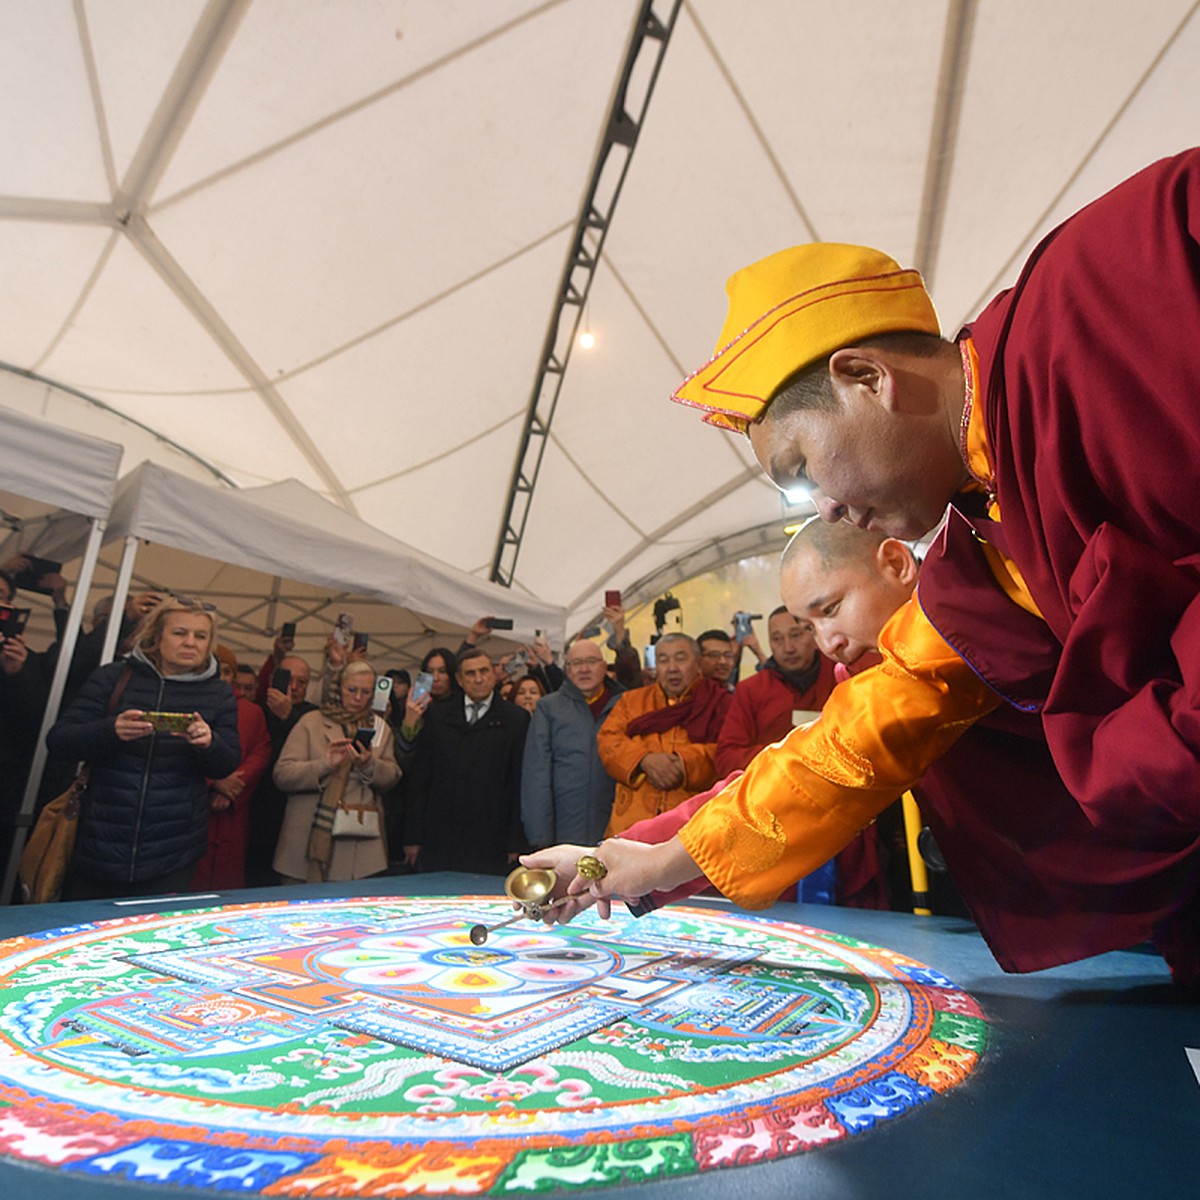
[{"x": 366, "y": 1048}]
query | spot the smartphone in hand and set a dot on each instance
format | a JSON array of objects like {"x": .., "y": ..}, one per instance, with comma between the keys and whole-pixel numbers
[
  {"x": 383, "y": 693},
  {"x": 422, "y": 686}
]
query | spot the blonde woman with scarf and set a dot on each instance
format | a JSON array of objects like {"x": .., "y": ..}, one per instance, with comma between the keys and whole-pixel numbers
[{"x": 323, "y": 768}]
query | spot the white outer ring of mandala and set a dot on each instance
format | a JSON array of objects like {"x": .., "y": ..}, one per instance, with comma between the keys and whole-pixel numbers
[{"x": 218, "y": 1114}]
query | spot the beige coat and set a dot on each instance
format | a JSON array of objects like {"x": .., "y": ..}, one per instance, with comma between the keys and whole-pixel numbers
[{"x": 302, "y": 771}]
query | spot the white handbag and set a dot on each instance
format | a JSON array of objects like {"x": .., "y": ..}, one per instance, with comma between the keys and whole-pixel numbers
[{"x": 352, "y": 821}]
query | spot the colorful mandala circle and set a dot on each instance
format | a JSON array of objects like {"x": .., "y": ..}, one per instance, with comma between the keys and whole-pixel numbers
[{"x": 366, "y": 1048}]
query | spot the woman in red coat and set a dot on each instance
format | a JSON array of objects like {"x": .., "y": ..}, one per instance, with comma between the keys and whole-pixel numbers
[{"x": 223, "y": 867}]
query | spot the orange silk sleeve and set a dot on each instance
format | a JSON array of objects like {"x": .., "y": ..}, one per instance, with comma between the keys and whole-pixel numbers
[{"x": 803, "y": 799}]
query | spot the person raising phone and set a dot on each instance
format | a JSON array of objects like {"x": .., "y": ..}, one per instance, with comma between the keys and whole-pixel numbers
[
  {"x": 340, "y": 756},
  {"x": 151, "y": 748}
]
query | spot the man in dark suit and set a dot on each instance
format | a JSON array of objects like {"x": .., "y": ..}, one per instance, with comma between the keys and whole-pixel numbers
[{"x": 465, "y": 789}]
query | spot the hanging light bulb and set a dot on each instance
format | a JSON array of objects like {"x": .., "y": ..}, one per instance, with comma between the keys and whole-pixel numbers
[{"x": 587, "y": 339}]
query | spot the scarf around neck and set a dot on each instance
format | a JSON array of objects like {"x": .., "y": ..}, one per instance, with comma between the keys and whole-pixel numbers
[{"x": 701, "y": 713}]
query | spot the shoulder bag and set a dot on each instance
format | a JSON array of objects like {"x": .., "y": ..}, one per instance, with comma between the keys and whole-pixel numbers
[{"x": 44, "y": 861}]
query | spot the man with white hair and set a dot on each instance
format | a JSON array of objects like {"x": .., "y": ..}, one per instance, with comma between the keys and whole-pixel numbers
[{"x": 566, "y": 794}]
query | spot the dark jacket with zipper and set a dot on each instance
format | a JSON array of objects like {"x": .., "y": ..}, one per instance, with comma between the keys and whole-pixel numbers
[{"x": 145, "y": 812}]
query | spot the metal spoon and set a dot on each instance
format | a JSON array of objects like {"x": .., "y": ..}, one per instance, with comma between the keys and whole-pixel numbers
[{"x": 479, "y": 933}]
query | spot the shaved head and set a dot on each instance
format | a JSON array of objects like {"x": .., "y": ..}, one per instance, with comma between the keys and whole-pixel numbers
[
  {"x": 845, "y": 583},
  {"x": 836, "y": 545}
]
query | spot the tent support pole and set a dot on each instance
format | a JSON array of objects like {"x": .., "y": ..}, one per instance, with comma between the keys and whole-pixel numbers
[
  {"x": 120, "y": 593},
  {"x": 58, "y": 685}
]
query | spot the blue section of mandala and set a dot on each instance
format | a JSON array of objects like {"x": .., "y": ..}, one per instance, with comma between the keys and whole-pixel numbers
[
  {"x": 879, "y": 1100},
  {"x": 193, "y": 1164},
  {"x": 52, "y": 935},
  {"x": 927, "y": 976}
]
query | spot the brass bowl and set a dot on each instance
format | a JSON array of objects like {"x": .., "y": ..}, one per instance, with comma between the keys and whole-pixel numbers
[{"x": 530, "y": 885}]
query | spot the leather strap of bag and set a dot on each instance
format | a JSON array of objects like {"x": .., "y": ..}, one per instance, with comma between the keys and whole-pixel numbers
[
  {"x": 81, "y": 772},
  {"x": 119, "y": 690}
]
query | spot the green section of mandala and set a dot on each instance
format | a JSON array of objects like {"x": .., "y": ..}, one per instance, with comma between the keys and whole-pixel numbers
[
  {"x": 968, "y": 1032},
  {"x": 593, "y": 1166}
]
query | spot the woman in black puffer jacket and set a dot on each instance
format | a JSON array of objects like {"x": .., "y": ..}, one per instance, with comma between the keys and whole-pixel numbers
[{"x": 144, "y": 822}]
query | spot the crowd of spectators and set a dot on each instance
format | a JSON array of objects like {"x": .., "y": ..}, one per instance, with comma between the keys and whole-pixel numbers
[{"x": 290, "y": 771}]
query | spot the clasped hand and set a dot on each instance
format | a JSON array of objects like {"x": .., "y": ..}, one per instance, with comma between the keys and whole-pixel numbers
[{"x": 664, "y": 771}]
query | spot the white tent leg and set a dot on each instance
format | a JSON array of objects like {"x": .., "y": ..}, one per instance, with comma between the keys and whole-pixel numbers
[
  {"x": 66, "y": 652},
  {"x": 124, "y": 575}
]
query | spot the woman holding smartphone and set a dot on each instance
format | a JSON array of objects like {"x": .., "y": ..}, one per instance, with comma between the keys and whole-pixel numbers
[
  {"x": 153, "y": 730},
  {"x": 339, "y": 757}
]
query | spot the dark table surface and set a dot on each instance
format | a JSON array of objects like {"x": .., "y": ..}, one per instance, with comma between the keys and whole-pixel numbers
[{"x": 1086, "y": 1089}]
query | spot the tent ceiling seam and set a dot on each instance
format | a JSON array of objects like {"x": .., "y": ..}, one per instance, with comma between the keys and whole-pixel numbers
[
  {"x": 594, "y": 485},
  {"x": 93, "y": 79},
  {"x": 156, "y": 254},
  {"x": 182, "y": 96},
  {"x": 437, "y": 458},
  {"x": 752, "y": 121},
  {"x": 655, "y": 332},
  {"x": 58, "y": 212},
  {"x": 991, "y": 287},
  {"x": 84, "y": 292},
  {"x": 417, "y": 309},
  {"x": 943, "y": 134},
  {"x": 726, "y": 489},
  {"x": 350, "y": 110}
]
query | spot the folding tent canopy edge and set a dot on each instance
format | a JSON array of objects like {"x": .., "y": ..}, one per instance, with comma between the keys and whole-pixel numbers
[
  {"x": 74, "y": 471},
  {"x": 288, "y": 530}
]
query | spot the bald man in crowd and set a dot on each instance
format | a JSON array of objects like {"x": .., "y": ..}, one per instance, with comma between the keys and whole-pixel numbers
[{"x": 566, "y": 793}]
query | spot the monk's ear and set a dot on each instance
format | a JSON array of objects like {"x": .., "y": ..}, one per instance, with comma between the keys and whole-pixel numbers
[
  {"x": 862, "y": 369},
  {"x": 897, "y": 562}
]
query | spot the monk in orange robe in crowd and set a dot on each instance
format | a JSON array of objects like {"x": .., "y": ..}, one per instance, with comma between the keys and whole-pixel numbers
[{"x": 659, "y": 742}]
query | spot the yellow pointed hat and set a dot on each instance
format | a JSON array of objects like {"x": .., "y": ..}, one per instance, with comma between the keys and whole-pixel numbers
[{"x": 796, "y": 307}]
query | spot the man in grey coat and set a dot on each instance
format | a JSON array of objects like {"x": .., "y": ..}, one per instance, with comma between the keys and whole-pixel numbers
[{"x": 566, "y": 794}]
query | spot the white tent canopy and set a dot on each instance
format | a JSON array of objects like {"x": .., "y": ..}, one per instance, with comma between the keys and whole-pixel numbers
[
  {"x": 56, "y": 489},
  {"x": 56, "y": 466},
  {"x": 323, "y": 242},
  {"x": 261, "y": 544}
]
